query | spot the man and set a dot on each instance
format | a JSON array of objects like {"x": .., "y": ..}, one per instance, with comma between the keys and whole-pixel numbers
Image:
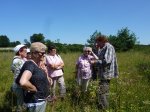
[{"x": 108, "y": 69}]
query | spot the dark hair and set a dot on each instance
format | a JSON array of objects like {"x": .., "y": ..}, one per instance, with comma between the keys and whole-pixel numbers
[
  {"x": 51, "y": 47},
  {"x": 102, "y": 38}
]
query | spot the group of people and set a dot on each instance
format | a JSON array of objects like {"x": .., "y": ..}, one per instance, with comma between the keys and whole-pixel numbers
[
  {"x": 106, "y": 62},
  {"x": 37, "y": 72}
]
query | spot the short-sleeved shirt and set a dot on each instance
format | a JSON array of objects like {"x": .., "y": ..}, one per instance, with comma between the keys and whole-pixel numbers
[
  {"x": 38, "y": 79},
  {"x": 50, "y": 60},
  {"x": 16, "y": 65},
  {"x": 84, "y": 66}
]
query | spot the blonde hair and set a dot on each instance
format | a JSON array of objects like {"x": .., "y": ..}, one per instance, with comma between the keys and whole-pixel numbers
[{"x": 38, "y": 47}]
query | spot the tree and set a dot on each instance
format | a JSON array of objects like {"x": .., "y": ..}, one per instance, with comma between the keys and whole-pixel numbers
[
  {"x": 27, "y": 42},
  {"x": 48, "y": 42},
  {"x": 4, "y": 41},
  {"x": 114, "y": 41},
  {"x": 13, "y": 44},
  {"x": 37, "y": 38},
  {"x": 125, "y": 40},
  {"x": 92, "y": 39}
]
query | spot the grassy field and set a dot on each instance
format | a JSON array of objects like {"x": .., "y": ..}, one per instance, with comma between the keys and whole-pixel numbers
[{"x": 129, "y": 93}]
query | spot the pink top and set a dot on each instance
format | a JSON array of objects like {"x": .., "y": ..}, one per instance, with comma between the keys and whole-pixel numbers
[
  {"x": 84, "y": 66},
  {"x": 50, "y": 60}
]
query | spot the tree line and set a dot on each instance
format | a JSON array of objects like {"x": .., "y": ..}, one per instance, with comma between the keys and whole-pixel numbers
[{"x": 124, "y": 40}]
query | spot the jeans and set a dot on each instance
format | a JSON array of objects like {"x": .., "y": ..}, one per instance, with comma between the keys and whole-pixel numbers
[
  {"x": 61, "y": 82},
  {"x": 37, "y": 107},
  {"x": 103, "y": 94}
]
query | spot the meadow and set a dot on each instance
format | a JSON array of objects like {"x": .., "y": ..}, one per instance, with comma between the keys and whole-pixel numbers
[{"x": 129, "y": 93}]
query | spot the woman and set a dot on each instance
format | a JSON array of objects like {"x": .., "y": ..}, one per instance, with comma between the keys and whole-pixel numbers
[
  {"x": 28, "y": 54},
  {"x": 34, "y": 80},
  {"x": 17, "y": 63},
  {"x": 55, "y": 65},
  {"x": 84, "y": 68}
]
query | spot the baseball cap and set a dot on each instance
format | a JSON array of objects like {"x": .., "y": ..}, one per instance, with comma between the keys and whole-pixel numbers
[{"x": 18, "y": 47}]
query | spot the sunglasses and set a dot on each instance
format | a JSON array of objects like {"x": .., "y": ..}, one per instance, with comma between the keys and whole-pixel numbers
[
  {"x": 88, "y": 51},
  {"x": 40, "y": 53}
]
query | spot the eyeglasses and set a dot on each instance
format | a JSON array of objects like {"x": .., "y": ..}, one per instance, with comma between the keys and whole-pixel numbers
[
  {"x": 88, "y": 51},
  {"x": 40, "y": 53},
  {"x": 23, "y": 50}
]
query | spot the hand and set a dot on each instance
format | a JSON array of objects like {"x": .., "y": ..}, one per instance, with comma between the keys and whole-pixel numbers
[
  {"x": 50, "y": 80},
  {"x": 92, "y": 61}
]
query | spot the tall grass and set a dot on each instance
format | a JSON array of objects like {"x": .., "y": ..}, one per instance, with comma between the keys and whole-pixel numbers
[{"x": 129, "y": 93}]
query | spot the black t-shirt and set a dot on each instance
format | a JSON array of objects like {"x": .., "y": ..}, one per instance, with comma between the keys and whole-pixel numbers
[{"x": 38, "y": 79}]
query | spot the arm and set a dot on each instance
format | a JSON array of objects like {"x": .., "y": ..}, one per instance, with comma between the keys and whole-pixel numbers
[
  {"x": 94, "y": 55},
  {"x": 60, "y": 64},
  {"x": 108, "y": 56},
  {"x": 25, "y": 83}
]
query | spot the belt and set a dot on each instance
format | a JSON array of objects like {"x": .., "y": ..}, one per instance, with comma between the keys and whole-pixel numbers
[{"x": 34, "y": 104}]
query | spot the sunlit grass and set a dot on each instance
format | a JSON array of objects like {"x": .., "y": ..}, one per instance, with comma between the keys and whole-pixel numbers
[{"x": 129, "y": 93}]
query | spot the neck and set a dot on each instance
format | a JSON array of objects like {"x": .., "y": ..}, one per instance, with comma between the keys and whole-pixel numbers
[{"x": 36, "y": 61}]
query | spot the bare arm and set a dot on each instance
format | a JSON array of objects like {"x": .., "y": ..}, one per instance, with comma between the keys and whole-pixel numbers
[
  {"x": 25, "y": 83},
  {"x": 94, "y": 55}
]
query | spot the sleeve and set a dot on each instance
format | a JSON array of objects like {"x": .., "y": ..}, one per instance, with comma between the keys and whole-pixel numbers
[
  {"x": 78, "y": 61},
  {"x": 28, "y": 65},
  {"x": 60, "y": 59},
  {"x": 109, "y": 55},
  {"x": 16, "y": 66},
  {"x": 48, "y": 62}
]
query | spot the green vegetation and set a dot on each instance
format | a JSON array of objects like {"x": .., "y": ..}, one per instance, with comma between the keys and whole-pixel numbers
[
  {"x": 124, "y": 40},
  {"x": 129, "y": 93}
]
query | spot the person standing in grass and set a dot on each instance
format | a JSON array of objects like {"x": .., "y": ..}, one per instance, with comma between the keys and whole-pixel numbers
[
  {"x": 28, "y": 54},
  {"x": 94, "y": 66},
  {"x": 17, "y": 63},
  {"x": 84, "y": 68},
  {"x": 55, "y": 66},
  {"x": 33, "y": 79},
  {"x": 108, "y": 69}
]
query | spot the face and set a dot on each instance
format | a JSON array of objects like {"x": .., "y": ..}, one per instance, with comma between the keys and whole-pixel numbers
[
  {"x": 100, "y": 44},
  {"x": 39, "y": 55},
  {"x": 53, "y": 52},
  {"x": 28, "y": 55},
  {"x": 87, "y": 52},
  {"x": 23, "y": 52}
]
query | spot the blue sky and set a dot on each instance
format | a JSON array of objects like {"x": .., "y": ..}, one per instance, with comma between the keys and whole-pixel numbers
[{"x": 73, "y": 21}]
